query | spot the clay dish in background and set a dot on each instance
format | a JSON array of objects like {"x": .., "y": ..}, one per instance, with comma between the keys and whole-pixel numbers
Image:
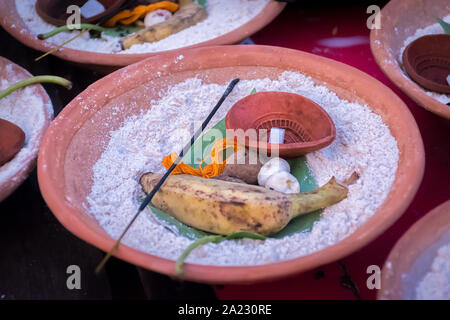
[
  {"x": 20, "y": 171},
  {"x": 399, "y": 20},
  {"x": 108, "y": 62},
  {"x": 413, "y": 254}
]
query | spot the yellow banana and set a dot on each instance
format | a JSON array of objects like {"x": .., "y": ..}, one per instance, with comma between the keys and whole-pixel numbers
[{"x": 224, "y": 207}]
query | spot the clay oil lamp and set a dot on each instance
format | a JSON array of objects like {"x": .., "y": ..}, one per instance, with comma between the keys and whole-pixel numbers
[
  {"x": 55, "y": 11},
  {"x": 307, "y": 127},
  {"x": 12, "y": 139},
  {"x": 427, "y": 62}
]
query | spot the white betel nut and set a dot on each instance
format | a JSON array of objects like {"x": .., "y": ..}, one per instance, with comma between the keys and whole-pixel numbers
[
  {"x": 271, "y": 167},
  {"x": 156, "y": 17},
  {"x": 283, "y": 182}
]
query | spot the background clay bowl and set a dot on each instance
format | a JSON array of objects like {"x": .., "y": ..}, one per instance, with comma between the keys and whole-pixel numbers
[
  {"x": 104, "y": 62},
  {"x": 21, "y": 172},
  {"x": 399, "y": 20},
  {"x": 412, "y": 256},
  {"x": 66, "y": 159}
]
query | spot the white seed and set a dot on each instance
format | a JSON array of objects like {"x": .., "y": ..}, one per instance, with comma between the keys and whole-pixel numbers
[
  {"x": 283, "y": 182},
  {"x": 272, "y": 166},
  {"x": 156, "y": 17}
]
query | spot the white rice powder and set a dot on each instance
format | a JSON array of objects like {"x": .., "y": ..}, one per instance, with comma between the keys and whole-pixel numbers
[
  {"x": 363, "y": 144},
  {"x": 223, "y": 17},
  {"x": 436, "y": 283},
  {"x": 432, "y": 29},
  {"x": 24, "y": 109}
]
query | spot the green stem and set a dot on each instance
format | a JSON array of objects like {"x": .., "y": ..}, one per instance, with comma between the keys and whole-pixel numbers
[
  {"x": 33, "y": 80},
  {"x": 215, "y": 239},
  {"x": 66, "y": 28},
  {"x": 195, "y": 244}
]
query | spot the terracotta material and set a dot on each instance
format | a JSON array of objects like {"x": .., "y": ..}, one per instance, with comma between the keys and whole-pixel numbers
[
  {"x": 308, "y": 127},
  {"x": 28, "y": 164},
  {"x": 427, "y": 61},
  {"x": 66, "y": 160},
  {"x": 412, "y": 256},
  {"x": 104, "y": 62},
  {"x": 12, "y": 139},
  {"x": 55, "y": 11},
  {"x": 405, "y": 17}
]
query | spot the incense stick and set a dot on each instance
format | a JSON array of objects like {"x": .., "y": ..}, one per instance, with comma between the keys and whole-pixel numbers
[
  {"x": 61, "y": 45},
  {"x": 150, "y": 196}
]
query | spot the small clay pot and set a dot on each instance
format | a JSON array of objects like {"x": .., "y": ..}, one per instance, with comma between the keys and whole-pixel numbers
[
  {"x": 308, "y": 127},
  {"x": 427, "y": 61},
  {"x": 12, "y": 139},
  {"x": 55, "y": 11}
]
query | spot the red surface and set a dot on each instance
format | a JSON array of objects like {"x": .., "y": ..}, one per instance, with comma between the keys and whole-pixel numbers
[{"x": 302, "y": 29}]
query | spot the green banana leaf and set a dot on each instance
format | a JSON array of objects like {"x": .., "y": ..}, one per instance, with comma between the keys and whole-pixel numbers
[
  {"x": 202, "y": 2},
  {"x": 121, "y": 31},
  {"x": 118, "y": 32},
  {"x": 444, "y": 25},
  {"x": 178, "y": 227},
  {"x": 299, "y": 169}
]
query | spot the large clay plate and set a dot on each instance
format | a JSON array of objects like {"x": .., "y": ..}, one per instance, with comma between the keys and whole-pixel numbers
[
  {"x": 104, "y": 62},
  {"x": 399, "y": 20},
  {"x": 412, "y": 256},
  {"x": 74, "y": 143},
  {"x": 17, "y": 169}
]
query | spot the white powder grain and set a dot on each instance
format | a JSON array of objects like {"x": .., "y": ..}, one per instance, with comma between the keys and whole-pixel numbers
[
  {"x": 432, "y": 29},
  {"x": 436, "y": 283},
  {"x": 223, "y": 17},
  {"x": 24, "y": 109},
  {"x": 363, "y": 144}
]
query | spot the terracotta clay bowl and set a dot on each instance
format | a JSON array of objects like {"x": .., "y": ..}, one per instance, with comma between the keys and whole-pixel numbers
[
  {"x": 399, "y": 20},
  {"x": 14, "y": 172},
  {"x": 427, "y": 61},
  {"x": 106, "y": 62},
  {"x": 55, "y": 11},
  {"x": 413, "y": 254},
  {"x": 66, "y": 159},
  {"x": 308, "y": 127}
]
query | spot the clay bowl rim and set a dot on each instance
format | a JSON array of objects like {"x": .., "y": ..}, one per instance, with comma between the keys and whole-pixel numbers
[
  {"x": 417, "y": 239},
  {"x": 412, "y": 71},
  {"x": 11, "y": 184},
  {"x": 286, "y": 149},
  {"x": 379, "y": 40},
  {"x": 408, "y": 176},
  {"x": 114, "y": 60}
]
